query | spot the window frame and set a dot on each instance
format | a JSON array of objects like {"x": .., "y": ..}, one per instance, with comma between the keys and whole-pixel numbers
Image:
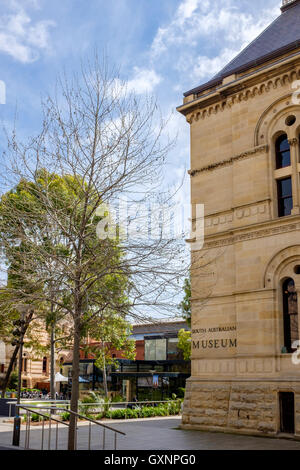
[
  {"x": 281, "y": 198},
  {"x": 279, "y": 153}
]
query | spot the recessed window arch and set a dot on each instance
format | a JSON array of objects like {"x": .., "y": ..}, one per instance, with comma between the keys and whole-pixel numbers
[
  {"x": 290, "y": 314},
  {"x": 45, "y": 365},
  {"x": 283, "y": 153}
]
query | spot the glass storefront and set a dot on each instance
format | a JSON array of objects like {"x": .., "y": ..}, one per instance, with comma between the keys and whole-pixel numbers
[
  {"x": 155, "y": 349},
  {"x": 148, "y": 380}
]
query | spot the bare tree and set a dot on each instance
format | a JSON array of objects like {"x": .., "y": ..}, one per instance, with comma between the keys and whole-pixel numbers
[{"x": 99, "y": 144}]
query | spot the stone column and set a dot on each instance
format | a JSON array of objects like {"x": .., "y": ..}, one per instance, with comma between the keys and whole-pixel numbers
[
  {"x": 294, "y": 149},
  {"x": 297, "y": 289}
]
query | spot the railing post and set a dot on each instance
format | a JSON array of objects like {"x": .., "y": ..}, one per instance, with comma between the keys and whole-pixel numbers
[
  {"x": 90, "y": 432},
  {"x": 76, "y": 431},
  {"x": 17, "y": 430},
  {"x": 56, "y": 441},
  {"x": 26, "y": 428},
  {"x": 103, "y": 438},
  {"x": 49, "y": 437},
  {"x": 43, "y": 430},
  {"x": 27, "y": 438}
]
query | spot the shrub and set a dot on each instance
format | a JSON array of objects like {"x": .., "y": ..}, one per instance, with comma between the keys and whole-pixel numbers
[
  {"x": 172, "y": 407},
  {"x": 35, "y": 418},
  {"x": 148, "y": 411},
  {"x": 97, "y": 402},
  {"x": 131, "y": 414},
  {"x": 114, "y": 414},
  {"x": 13, "y": 380},
  {"x": 117, "y": 399},
  {"x": 65, "y": 416}
]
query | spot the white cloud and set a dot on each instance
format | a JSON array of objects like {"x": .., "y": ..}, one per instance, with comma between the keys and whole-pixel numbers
[
  {"x": 210, "y": 66},
  {"x": 20, "y": 37},
  {"x": 143, "y": 81},
  {"x": 206, "y": 26},
  {"x": 194, "y": 19}
]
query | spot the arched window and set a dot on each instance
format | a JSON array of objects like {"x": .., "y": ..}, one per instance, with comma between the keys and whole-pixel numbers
[
  {"x": 290, "y": 314},
  {"x": 283, "y": 155},
  {"x": 44, "y": 365}
]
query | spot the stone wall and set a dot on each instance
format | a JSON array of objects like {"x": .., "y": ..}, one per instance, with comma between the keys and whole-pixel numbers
[{"x": 243, "y": 407}]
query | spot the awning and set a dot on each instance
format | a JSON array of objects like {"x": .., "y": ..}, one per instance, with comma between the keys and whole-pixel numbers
[
  {"x": 60, "y": 378},
  {"x": 83, "y": 381}
]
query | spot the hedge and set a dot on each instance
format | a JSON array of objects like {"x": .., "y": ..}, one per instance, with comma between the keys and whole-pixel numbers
[{"x": 163, "y": 409}]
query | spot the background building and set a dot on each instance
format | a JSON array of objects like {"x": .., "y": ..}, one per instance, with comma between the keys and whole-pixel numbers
[
  {"x": 245, "y": 168},
  {"x": 157, "y": 372},
  {"x": 35, "y": 370}
]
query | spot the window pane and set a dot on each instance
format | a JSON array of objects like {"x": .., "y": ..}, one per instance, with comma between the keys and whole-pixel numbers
[
  {"x": 150, "y": 350},
  {"x": 284, "y": 145},
  {"x": 286, "y": 187},
  {"x": 161, "y": 349},
  {"x": 285, "y": 199},
  {"x": 173, "y": 352},
  {"x": 283, "y": 157},
  {"x": 288, "y": 206}
]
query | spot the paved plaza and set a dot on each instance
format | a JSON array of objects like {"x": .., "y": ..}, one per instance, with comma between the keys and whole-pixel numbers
[{"x": 150, "y": 434}]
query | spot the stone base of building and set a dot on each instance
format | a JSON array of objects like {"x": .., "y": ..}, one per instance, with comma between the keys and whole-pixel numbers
[{"x": 239, "y": 406}]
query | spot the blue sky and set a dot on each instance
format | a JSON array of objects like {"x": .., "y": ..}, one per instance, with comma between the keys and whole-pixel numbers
[{"x": 164, "y": 47}]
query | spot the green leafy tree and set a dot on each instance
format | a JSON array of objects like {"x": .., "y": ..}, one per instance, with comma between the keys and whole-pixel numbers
[
  {"x": 184, "y": 343},
  {"x": 99, "y": 143},
  {"x": 32, "y": 250},
  {"x": 185, "y": 305}
]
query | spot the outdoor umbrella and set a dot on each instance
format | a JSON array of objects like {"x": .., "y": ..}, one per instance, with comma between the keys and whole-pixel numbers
[{"x": 60, "y": 378}]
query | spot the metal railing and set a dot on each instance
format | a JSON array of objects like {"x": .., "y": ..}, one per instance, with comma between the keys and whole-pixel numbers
[
  {"x": 30, "y": 410},
  {"x": 39, "y": 403},
  {"x": 99, "y": 406},
  {"x": 50, "y": 419}
]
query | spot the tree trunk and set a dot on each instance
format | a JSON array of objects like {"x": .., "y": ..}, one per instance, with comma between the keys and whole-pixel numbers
[
  {"x": 9, "y": 370},
  {"x": 75, "y": 384},
  {"x": 52, "y": 363},
  {"x": 14, "y": 356},
  {"x": 104, "y": 373},
  {"x": 20, "y": 370}
]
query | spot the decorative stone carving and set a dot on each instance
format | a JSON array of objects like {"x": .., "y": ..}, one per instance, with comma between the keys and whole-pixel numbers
[
  {"x": 251, "y": 235},
  {"x": 293, "y": 142},
  {"x": 230, "y": 161},
  {"x": 239, "y": 96}
]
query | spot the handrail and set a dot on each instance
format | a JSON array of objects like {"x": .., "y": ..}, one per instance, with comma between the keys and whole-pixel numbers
[
  {"x": 76, "y": 414},
  {"x": 96, "y": 422},
  {"x": 44, "y": 416},
  {"x": 50, "y": 418},
  {"x": 111, "y": 403},
  {"x": 33, "y": 409}
]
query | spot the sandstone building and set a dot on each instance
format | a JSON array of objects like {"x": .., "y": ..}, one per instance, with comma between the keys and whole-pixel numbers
[{"x": 245, "y": 168}]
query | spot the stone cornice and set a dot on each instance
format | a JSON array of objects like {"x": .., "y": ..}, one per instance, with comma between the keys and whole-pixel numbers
[
  {"x": 230, "y": 161},
  {"x": 242, "y": 89},
  {"x": 252, "y": 235}
]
